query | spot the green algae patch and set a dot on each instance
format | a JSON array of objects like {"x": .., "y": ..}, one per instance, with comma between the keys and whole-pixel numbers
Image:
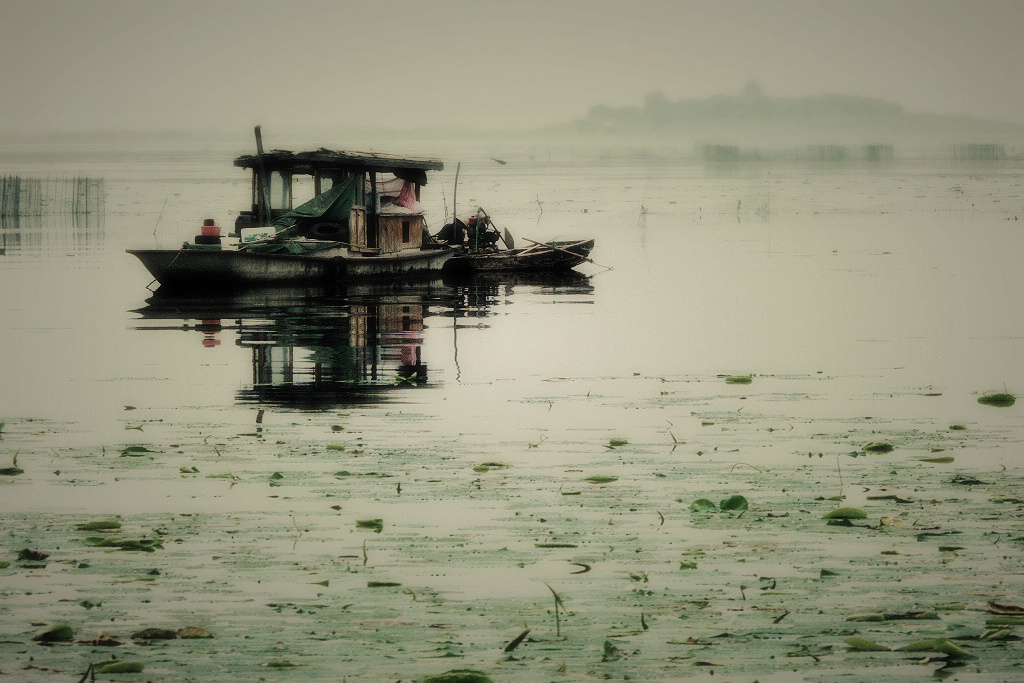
[
  {"x": 1002, "y": 400},
  {"x": 459, "y": 676}
]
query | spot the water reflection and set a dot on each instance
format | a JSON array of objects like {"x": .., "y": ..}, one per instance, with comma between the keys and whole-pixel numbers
[
  {"x": 311, "y": 349},
  {"x": 314, "y": 349}
]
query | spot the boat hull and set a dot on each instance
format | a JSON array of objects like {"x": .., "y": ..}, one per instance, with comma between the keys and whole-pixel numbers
[
  {"x": 548, "y": 257},
  {"x": 194, "y": 268}
]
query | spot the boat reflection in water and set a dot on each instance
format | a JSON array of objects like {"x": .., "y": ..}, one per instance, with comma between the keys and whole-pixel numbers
[
  {"x": 312, "y": 349},
  {"x": 316, "y": 349}
]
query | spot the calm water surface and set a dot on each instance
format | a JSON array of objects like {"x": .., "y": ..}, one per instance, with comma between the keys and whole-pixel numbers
[
  {"x": 836, "y": 286},
  {"x": 868, "y": 302}
]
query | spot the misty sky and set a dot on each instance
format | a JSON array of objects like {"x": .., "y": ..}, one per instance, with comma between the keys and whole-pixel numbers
[{"x": 227, "y": 64}]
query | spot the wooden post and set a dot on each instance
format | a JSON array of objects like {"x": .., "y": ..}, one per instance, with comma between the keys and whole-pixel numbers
[
  {"x": 373, "y": 207},
  {"x": 264, "y": 183}
]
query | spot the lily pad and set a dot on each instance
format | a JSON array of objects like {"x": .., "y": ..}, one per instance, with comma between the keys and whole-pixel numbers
[
  {"x": 194, "y": 632},
  {"x": 866, "y": 616},
  {"x": 702, "y": 505},
  {"x": 488, "y": 466},
  {"x": 154, "y": 634},
  {"x": 459, "y": 676},
  {"x": 118, "y": 667},
  {"x": 375, "y": 525},
  {"x": 997, "y": 400},
  {"x": 739, "y": 379},
  {"x": 736, "y": 502},
  {"x": 99, "y": 525},
  {"x": 879, "y": 447},
  {"x": 845, "y": 513},
  {"x": 601, "y": 479},
  {"x": 954, "y": 651},
  {"x": 612, "y": 443},
  {"x": 146, "y": 545},
  {"x": 864, "y": 645},
  {"x": 58, "y": 633},
  {"x": 29, "y": 555},
  {"x": 11, "y": 471},
  {"x": 135, "y": 451}
]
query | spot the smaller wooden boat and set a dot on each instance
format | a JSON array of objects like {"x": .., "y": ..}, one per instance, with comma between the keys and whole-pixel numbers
[
  {"x": 477, "y": 241},
  {"x": 538, "y": 257}
]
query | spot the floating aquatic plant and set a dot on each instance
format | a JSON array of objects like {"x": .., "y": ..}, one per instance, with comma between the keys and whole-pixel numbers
[
  {"x": 859, "y": 644},
  {"x": 488, "y": 466},
  {"x": 879, "y": 447},
  {"x": 1002, "y": 400},
  {"x": 117, "y": 666},
  {"x": 601, "y": 479},
  {"x": 57, "y": 633},
  {"x": 375, "y": 525},
  {"x": 459, "y": 676},
  {"x": 135, "y": 451},
  {"x": 99, "y": 525},
  {"x": 845, "y": 513},
  {"x": 146, "y": 545},
  {"x": 739, "y": 379},
  {"x": 735, "y": 502}
]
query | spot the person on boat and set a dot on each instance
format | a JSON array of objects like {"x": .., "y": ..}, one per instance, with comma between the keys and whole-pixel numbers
[
  {"x": 481, "y": 235},
  {"x": 453, "y": 234}
]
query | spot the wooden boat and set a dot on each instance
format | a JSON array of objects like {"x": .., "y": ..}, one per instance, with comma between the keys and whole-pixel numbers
[
  {"x": 479, "y": 250},
  {"x": 539, "y": 257},
  {"x": 361, "y": 221}
]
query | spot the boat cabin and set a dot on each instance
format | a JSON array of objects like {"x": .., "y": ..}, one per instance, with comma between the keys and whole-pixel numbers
[{"x": 377, "y": 210}]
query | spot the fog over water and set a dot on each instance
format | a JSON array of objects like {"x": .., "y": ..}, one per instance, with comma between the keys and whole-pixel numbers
[{"x": 315, "y": 65}]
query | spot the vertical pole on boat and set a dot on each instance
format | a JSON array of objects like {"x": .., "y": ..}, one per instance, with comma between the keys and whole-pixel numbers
[
  {"x": 455, "y": 196},
  {"x": 264, "y": 185}
]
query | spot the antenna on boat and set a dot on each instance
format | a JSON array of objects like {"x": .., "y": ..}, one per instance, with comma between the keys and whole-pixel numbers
[{"x": 264, "y": 185}]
